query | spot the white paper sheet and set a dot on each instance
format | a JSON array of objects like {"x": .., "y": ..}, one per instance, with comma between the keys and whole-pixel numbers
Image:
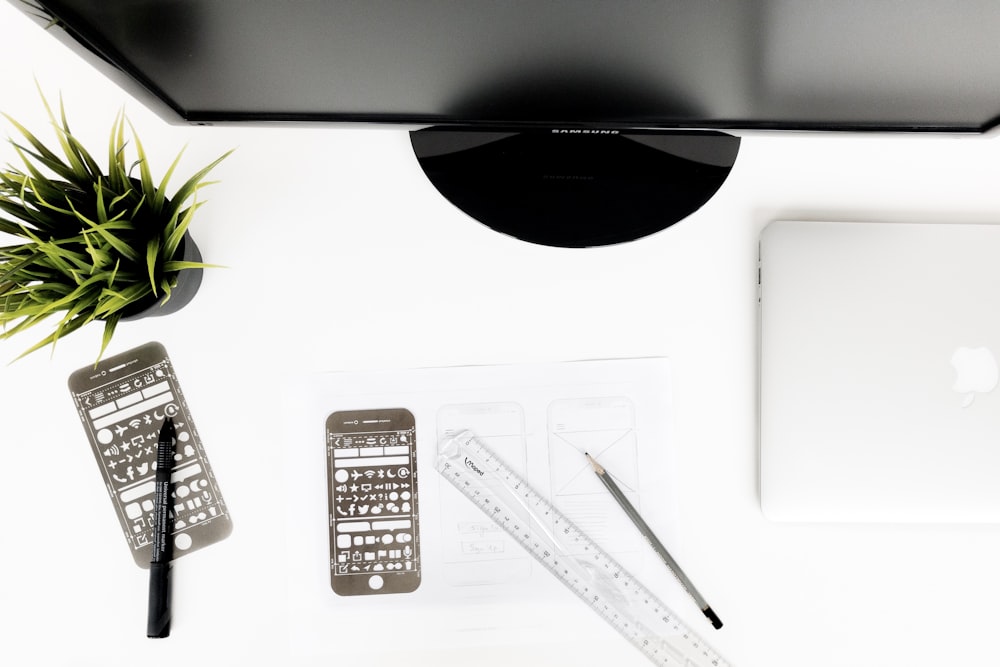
[{"x": 478, "y": 587}]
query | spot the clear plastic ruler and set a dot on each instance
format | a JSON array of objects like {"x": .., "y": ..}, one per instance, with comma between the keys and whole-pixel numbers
[{"x": 571, "y": 556}]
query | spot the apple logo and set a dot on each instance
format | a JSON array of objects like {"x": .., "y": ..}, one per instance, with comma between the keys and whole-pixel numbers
[{"x": 976, "y": 372}]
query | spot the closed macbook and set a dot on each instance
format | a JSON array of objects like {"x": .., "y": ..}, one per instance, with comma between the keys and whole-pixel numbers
[{"x": 879, "y": 345}]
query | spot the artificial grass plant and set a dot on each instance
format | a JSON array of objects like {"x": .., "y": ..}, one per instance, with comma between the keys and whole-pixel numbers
[{"x": 93, "y": 242}]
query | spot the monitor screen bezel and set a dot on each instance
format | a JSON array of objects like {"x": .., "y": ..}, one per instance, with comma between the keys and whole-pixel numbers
[{"x": 71, "y": 31}]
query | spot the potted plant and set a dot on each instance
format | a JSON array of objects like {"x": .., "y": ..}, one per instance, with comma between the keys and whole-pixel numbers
[{"x": 92, "y": 243}]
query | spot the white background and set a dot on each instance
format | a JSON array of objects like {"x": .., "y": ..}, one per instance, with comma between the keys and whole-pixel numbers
[{"x": 315, "y": 223}]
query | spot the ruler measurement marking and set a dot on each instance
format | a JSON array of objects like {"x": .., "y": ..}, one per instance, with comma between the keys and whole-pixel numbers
[{"x": 683, "y": 645}]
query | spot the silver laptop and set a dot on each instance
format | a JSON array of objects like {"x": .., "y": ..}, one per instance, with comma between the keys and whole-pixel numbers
[{"x": 879, "y": 345}]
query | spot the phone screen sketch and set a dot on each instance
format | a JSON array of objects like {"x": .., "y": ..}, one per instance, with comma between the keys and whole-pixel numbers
[
  {"x": 122, "y": 403},
  {"x": 372, "y": 492},
  {"x": 476, "y": 550},
  {"x": 603, "y": 427}
]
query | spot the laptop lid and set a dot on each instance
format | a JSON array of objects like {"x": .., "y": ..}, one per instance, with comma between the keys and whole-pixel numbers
[{"x": 878, "y": 372}]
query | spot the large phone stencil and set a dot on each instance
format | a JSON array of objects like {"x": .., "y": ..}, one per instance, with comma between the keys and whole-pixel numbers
[
  {"x": 373, "y": 502},
  {"x": 476, "y": 550},
  {"x": 122, "y": 403}
]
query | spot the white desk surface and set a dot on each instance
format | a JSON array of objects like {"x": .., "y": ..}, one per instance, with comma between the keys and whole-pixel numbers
[{"x": 308, "y": 219}]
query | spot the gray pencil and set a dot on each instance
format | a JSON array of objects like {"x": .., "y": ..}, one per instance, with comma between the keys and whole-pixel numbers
[{"x": 658, "y": 547}]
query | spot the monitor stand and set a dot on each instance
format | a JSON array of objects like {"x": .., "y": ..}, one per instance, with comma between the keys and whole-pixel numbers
[{"x": 573, "y": 187}]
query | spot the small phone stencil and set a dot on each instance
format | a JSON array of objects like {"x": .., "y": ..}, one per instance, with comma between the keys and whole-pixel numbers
[
  {"x": 122, "y": 403},
  {"x": 476, "y": 550},
  {"x": 372, "y": 494},
  {"x": 604, "y": 427}
]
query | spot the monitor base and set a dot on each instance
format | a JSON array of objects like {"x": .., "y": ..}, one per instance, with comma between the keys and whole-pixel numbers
[{"x": 575, "y": 188}]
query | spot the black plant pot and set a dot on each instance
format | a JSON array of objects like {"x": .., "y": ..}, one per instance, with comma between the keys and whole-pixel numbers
[{"x": 188, "y": 282}]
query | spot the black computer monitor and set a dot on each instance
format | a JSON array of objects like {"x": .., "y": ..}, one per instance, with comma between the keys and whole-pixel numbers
[{"x": 566, "y": 122}]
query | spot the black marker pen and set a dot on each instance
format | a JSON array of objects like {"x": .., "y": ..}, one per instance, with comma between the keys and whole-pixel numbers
[{"x": 158, "y": 619}]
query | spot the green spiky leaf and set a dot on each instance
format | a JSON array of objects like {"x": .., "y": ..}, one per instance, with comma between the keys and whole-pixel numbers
[{"x": 89, "y": 243}]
